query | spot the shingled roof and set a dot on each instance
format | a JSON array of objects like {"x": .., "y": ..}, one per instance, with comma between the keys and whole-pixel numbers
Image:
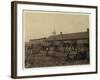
[{"x": 69, "y": 36}]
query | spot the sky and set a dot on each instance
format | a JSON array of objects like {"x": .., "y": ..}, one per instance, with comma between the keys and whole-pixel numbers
[{"x": 42, "y": 24}]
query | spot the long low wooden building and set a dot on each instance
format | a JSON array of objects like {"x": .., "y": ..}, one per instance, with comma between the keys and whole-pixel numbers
[{"x": 69, "y": 36}]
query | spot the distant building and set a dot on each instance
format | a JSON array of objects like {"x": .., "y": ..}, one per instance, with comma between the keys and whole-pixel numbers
[
  {"x": 37, "y": 41},
  {"x": 78, "y": 38},
  {"x": 69, "y": 36}
]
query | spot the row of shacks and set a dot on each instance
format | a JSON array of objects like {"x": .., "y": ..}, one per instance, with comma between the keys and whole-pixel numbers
[{"x": 63, "y": 43}]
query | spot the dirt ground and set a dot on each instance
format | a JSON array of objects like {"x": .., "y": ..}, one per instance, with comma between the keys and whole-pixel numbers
[{"x": 56, "y": 59}]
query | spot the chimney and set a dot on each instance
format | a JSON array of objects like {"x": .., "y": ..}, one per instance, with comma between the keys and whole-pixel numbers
[{"x": 60, "y": 33}]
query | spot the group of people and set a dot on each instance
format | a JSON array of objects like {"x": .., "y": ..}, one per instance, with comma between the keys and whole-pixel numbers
[{"x": 79, "y": 52}]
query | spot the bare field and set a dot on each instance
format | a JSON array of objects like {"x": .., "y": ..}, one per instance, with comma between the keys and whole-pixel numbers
[{"x": 57, "y": 59}]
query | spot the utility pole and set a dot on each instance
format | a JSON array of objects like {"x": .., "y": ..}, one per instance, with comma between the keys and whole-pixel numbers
[{"x": 54, "y": 33}]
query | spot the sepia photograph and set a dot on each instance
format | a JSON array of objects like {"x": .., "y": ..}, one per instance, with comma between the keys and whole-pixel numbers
[{"x": 55, "y": 38}]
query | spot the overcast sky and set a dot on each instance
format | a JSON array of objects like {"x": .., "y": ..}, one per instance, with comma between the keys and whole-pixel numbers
[{"x": 42, "y": 24}]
